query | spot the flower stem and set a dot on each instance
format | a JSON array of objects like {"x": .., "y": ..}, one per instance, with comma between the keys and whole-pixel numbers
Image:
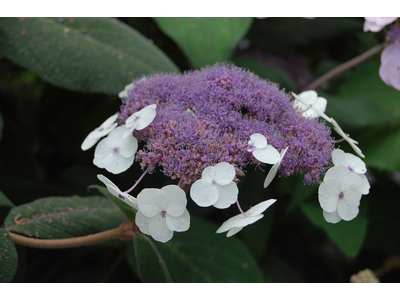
[
  {"x": 240, "y": 209},
  {"x": 137, "y": 181},
  {"x": 124, "y": 231},
  {"x": 345, "y": 66}
]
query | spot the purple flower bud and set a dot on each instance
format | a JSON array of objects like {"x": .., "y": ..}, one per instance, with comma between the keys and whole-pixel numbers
[{"x": 206, "y": 117}]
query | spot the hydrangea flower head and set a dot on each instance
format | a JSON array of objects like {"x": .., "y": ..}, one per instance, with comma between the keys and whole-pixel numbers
[
  {"x": 376, "y": 24},
  {"x": 206, "y": 117}
]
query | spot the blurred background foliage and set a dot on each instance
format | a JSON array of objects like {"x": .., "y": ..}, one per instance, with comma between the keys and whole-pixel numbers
[{"x": 59, "y": 79}]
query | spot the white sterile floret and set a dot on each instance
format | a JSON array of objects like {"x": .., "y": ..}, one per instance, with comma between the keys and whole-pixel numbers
[
  {"x": 216, "y": 186},
  {"x": 104, "y": 129},
  {"x": 311, "y": 105},
  {"x": 354, "y": 164},
  {"x": 341, "y": 191},
  {"x": 124, "y": 94},
  {"x": 261, "y": 150},
  {"x": 272, "y": 172},
  {"x": 115, "y": 191},
  {"x": 162, "y": 211},
  {"x": 115, "y": 153},
  {"x": 351, "y": 142},
  {"x": 140, "y": 119},
  {"x": 236, "y": 223}
]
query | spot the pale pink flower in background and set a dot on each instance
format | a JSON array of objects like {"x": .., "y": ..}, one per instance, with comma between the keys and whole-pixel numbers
[
  {"x": 376, "y": 24},
  {"x": 389, "y": 70}
]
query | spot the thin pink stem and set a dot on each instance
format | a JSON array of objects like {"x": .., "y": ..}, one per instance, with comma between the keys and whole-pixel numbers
[
  {"x": 240, "y": 209},
  {"x": 137, "y": 182}
]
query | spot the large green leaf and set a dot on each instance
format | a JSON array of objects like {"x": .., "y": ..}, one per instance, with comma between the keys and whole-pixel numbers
[
  {"x": 64, "y": 217},
  {"x": 201, "y": 255},
  {"x": 8, "y": 257},
  {"x": 150, "y": 265},
  {"x": 348, "y": 236},
  {"x": 81, "y": 54},
  {"x": 205, "y": 40},
  {"x": 4, "y": 201}
]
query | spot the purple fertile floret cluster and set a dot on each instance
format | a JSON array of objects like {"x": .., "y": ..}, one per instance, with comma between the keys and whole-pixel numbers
[{"x": 206, "y": 117}]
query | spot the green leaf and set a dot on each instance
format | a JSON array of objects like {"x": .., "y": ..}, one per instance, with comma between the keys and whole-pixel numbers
[
  {"x": 4, "y": 201},
  {"x": 125, "y": 208},
  {"x": 299, "y": 191},
  {"x": 64, "y": 217},
  {"x": 347, "y": 235},
  {"x": 201, "y": 255},
  {"x": 150, "y": 265},
  {"x": 205, "y": 40},
  {"x": 8, "y": 257},
  {"x": 265, "y": 71},
  {"x": 82, "y": 54}
]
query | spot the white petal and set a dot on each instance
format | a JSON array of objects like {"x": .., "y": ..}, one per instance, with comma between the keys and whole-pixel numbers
[
  {"x": 203, "y": 193},
  {"x": 176, "y": 200},
  {"x": 227, "y": 195},
  {"x": 129, "y": 130},
  {"x": 179, "y": 224},
  {"x": 328, "y": 195},
  {"x": 332, "y": 217},
  {"x": 233, "y": 231},
  {"x": 320, "y": 105},
  {"x": 142, "y": 222},
  {"x": 366, "y": 186},
  {"x": 128, "y": 147},
  {"x": 123, "y": 94},
  {"x": 351, "y": 142},
  {"x": 238, "y": 221},
  {"x": 147, "y": 202},
  {"x": 116, "y": 164},
  {"x": 103, "y": 149},
  {"x": 268, "y": 154},
  {"x": 348, "y": 206},
  {"x": 224, "y": 173},
  {"x": 272, "y": 172},
  {"x": 99, "y": 162},
  {"x": 89, "y": 141},
  {"x": 258, "y": 140},
  {"x": 107, "y": 123},
  {"x": 208, "y": 174},
  {"x": 147, "y": 116},
  {"x": 310, "y": 97},
  {"x": 158, "y": 229},
  {"x": 339, "y": 157},
  {"x": 130, "y": 200},
  {"x": 260, "y": 207}
]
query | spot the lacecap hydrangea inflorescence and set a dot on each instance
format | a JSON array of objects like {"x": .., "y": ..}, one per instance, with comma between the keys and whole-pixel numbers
[{"x": 204, "y": 128}]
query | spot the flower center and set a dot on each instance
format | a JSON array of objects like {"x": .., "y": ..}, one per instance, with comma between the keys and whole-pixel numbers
[
  {"x": 213, "y": 181},
  {"x": 121, "y": 197},
  {"x": 341, "y": 195},
  {"x": 163, "y": 212},
  {"x": 101, "y": 129},
  {"x": 252, "y": 146},
  {"x": 351, "y": 169},
  {"x": 137, "y": 117},
  {"x": 115, "y": 150}
]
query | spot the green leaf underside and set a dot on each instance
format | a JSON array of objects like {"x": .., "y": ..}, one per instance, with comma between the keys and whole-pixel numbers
[
  {"x": 205, "y": 40},
  {"x": 201, "y": 255},
  {"x": 4, "y": 201},
  {"x": 347, "y": 235},
  {"x": 82, "y": 54},
  {"x": 64, "y": 217},
  {"x": 125, "y": 208},
  {"x": 8, "y": 257},
  {"x": 150, "y": 264}
]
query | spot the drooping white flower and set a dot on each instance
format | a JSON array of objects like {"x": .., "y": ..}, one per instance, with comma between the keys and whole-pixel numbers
[
  {"x": 104, "y": 129},
  {"x": 236, "y": 223},
  {"x": 115, "y": 191},
  {"x": 124, "y": 94},
  {"x": 274, "y": 169},
  {"x": 341, "y": 191},
  {"x": 216, "y": 186},
  {"x": 140, "y": 119},
  {"x": 115, "y": 153},
  {"x": 332, "y": 217},
  {"x": 351, "y": 142},
  {"x": 376, "y": 24},
  {"x": 312, "y": 106},
  {"x": 162, "y": 211},
  {"x": 354, "y": 164},
  {"x": 261, "y": 150}
]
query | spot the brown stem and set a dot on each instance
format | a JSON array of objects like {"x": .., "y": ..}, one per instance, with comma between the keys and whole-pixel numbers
[
  {"x": 345, "y": 66},
  {"x": 124, "y": 231}
]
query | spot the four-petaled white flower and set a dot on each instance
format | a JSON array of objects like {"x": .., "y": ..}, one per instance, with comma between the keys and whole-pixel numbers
[
  {"x": 311, "y": 105},
  {"x": 261, "y": 150},
  {"x": 351, "y": 142},
  {"x": 340, "y": 194},
  {"x": 140, "y": 119},
  {"x": 216, "y": 186},
  {"x": 104, "y": 129},
  {"x": 124, "y": 94},
  {"x": 274, "y": 169},
  {"x": 376, "y": 24},
  {"x": 162, "y": 211},
  {"x": 354, "y": 164},
  {"x": 236, "y": 223},
  {"x": 114, "y": 153},
  {"x": 115, "y": 191}
]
